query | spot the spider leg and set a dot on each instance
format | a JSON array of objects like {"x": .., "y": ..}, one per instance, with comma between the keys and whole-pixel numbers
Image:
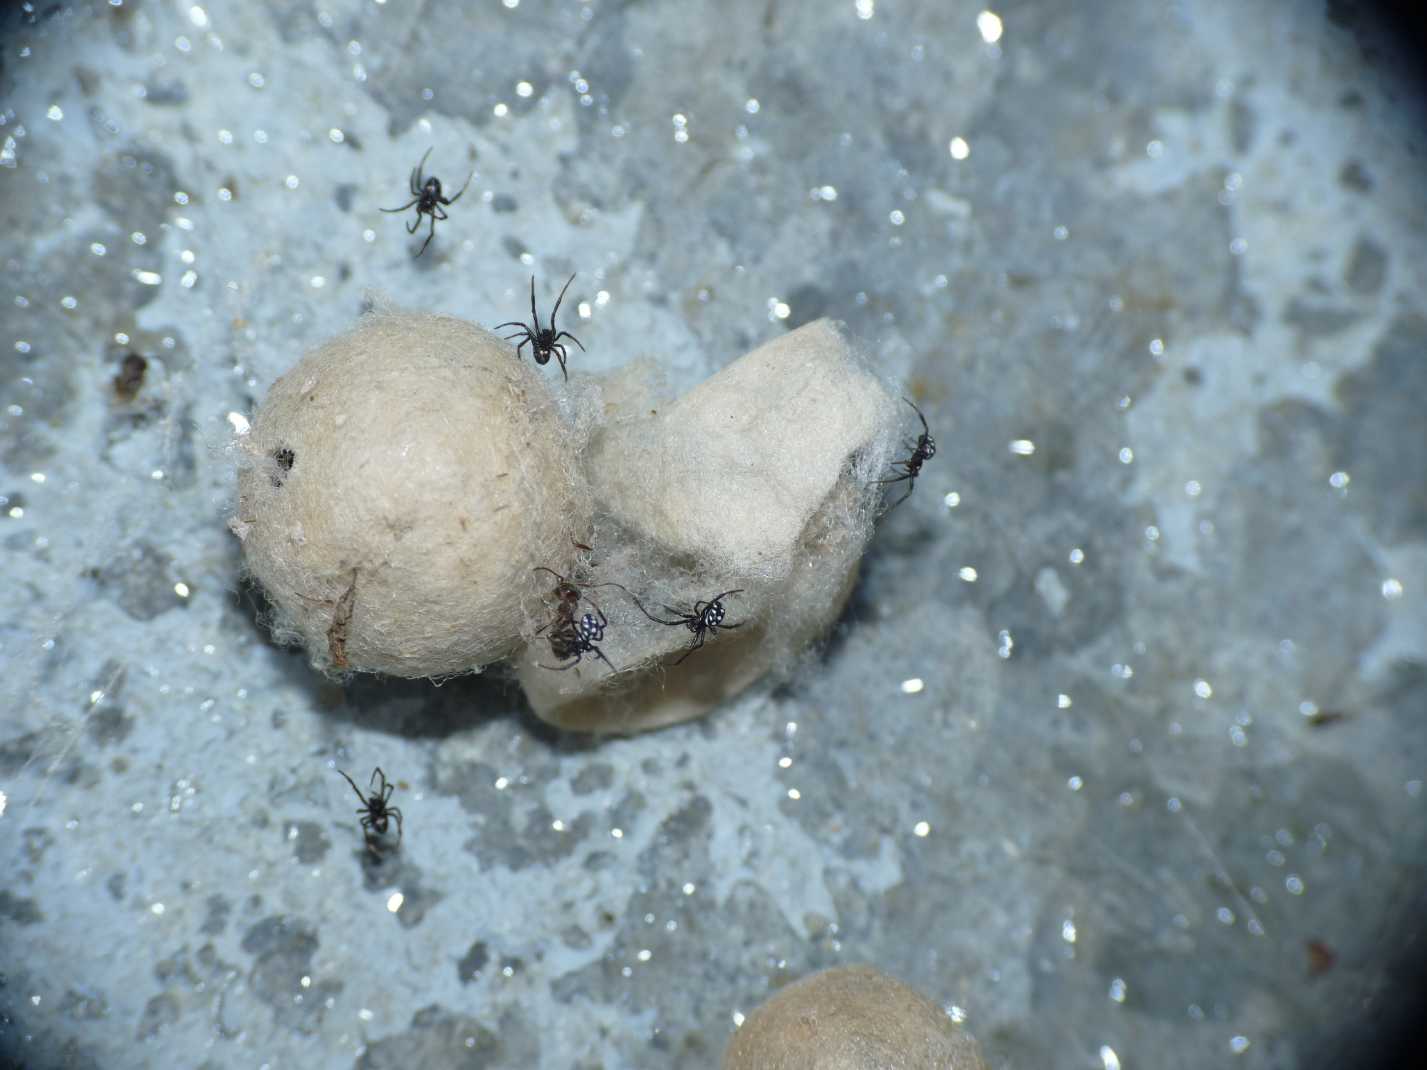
[
  {"x": 439, "y": 213},
  {"x": 925, "y": 429},
  {"x": 600, "y": 654},
  {"x": 456, "y": 198},
  {"x": 533, "y": 314},
  {"x": 559, "y": 352},
  {"x": 429, "y": 235},
  {"x": 556, "y": 310},
  {"x": 571, "y": 337},
  {"x": 630, "y": 595},
  {"x": 403, "y": 208},
  {"x": 356, "y": 789},
  {"x": 740, "y": 624},
  {"x": 688, "y": 620},
  {"x": 721, "y": 597},
  {"x": 698, "y": 642},
  {"x": 396, "y": 813},
  {"x": 903, "y": 498},
  {"x": 416, "y": 175},
  {"x": 414, "y": 224}
]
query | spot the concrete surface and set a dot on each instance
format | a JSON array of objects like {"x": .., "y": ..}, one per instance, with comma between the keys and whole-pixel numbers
[{"x": 1118, "y": 751}]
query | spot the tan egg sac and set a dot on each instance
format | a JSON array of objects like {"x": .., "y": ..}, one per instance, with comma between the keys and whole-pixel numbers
[
  {"x": 757, "y": 480},
  {"x": 732, "y": 472},
  {"x": 397, "y": 488},
  {"x": 850, "y": 1018}
]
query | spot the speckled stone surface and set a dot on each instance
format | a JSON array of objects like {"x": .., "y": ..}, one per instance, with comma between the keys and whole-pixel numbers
[{"x": 1118, "y": 751}]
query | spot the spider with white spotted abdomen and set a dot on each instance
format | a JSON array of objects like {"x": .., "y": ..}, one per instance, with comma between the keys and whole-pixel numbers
[
  {"x": 705, "y": 620},
  {"x": 571, "y": 639}
]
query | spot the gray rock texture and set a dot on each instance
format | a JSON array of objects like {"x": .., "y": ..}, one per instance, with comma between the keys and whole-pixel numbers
[{"x": 1117, "y": 752}]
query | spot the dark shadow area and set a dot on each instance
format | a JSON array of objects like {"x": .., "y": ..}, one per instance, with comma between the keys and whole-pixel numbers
[
  {"x": 1390, "y": 34},
  {"x": 1389, "y": 1034},
  {"x": 413, "y": 709}
]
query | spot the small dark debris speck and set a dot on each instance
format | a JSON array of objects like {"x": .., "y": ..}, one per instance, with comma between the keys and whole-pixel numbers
[
  {"x": 1321, "y": 958},
  {"x": 130, "y": 377},
  {"x": 469, "y": 968}
]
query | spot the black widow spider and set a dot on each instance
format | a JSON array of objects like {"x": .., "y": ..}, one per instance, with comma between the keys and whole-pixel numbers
[
  {"x": 543, "y": 341},
  {"x": 922, "y": 451},
  {"x": 377, "y": 814},
  {"x": 426, "y": 195},
  {"x": 704, "y": 621},
  {"x": 571, "y": 639}
]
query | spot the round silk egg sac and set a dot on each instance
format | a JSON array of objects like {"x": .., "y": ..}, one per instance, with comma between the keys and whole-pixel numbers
[{"x": 397, "y": 488}]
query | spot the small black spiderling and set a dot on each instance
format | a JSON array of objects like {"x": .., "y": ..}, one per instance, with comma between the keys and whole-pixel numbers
[
  {"x": 426, "y": 196},
  {"x": 923, "y": 450},
  {"x": 544, "y": 342},
  {"x": 377, "y": 814}
]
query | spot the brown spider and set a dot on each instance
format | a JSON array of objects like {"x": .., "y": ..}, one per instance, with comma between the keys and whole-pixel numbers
[
  {"x": 543, "y": 341},
  {"x": 571, "y": 639},
  {"x": 376, "y": 813},
  {"x": 923, "y": 450},
  {"x": 426, "y": 195}
]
